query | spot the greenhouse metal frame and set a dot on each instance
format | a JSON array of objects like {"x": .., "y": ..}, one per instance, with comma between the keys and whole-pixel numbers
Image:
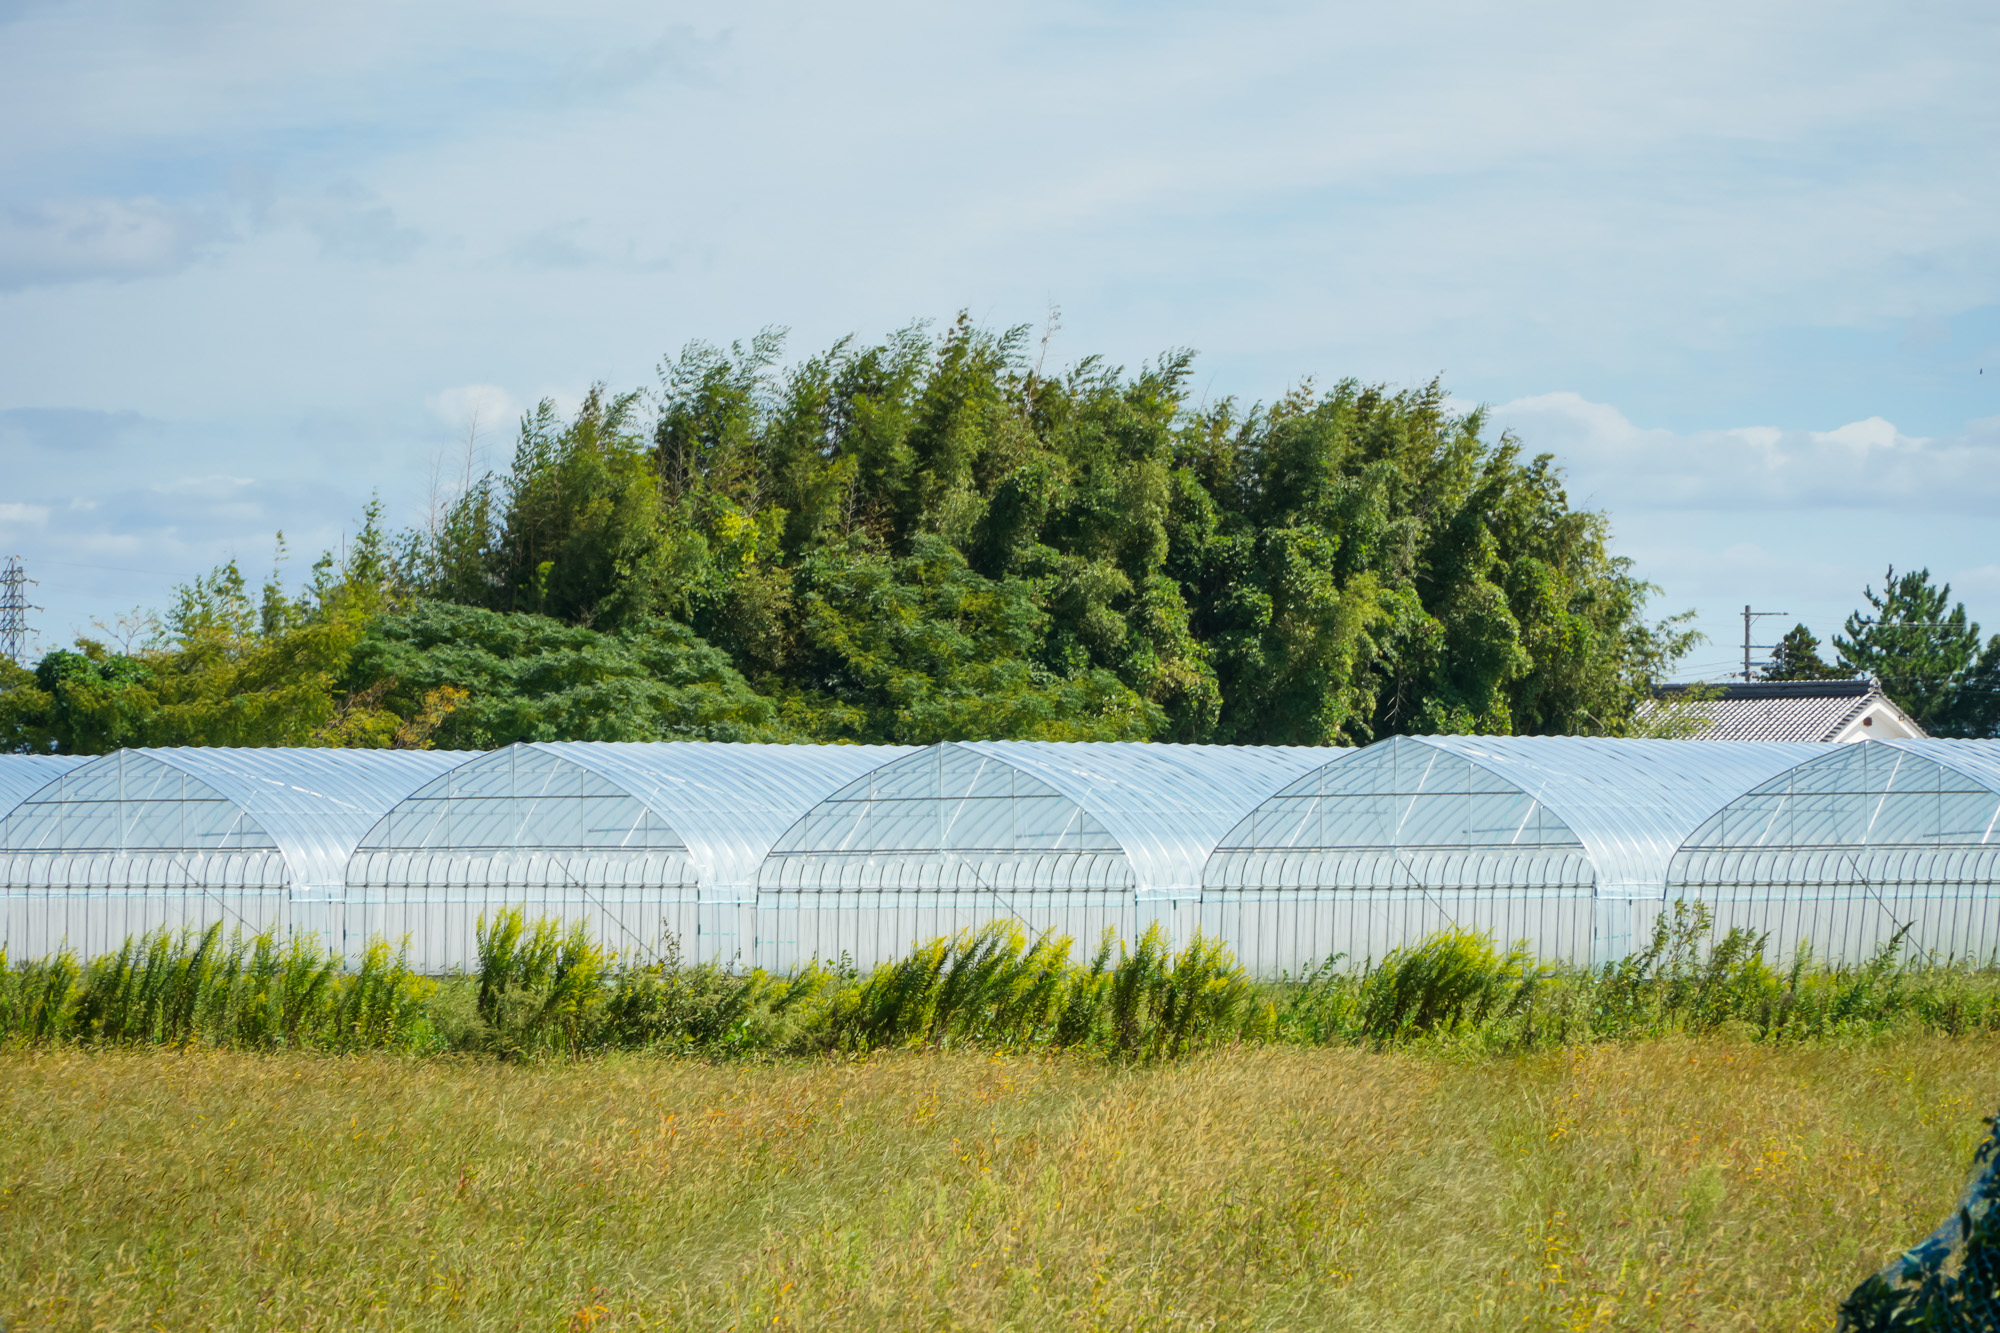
[
  {"x": 774, "y": 855},
  {"x": 1878, "y": 840},
  {"x": 1561, "y": 841},
  {"x": 1069, "y": 837},
  {"x": 22, "y": 775},
  {"x": 139, "y": 840},
  {"x": 648, "y": 845}
]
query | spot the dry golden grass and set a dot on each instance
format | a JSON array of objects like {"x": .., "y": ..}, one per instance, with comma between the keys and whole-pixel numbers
[{"x": 1657, "y": 1185}]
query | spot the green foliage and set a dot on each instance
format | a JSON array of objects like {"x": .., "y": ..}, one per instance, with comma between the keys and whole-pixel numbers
[
  {"x": 543, "y": 990},
  {"x": 540, "y": 986},
  {"x": 1457, "y": 987},
  {"x": 668, "y": 1005},
  {"x": 531, "y": 678},
  {"x": 1160, "y": 1003},
  {"x": 1320, "y": 1006},
  {"x": 991, "y": 986},
  {"x": 255, "y": 993},
  {"x": 1927, "y": 656},
  {"x": 1453, "y": 979},
  {"x": 931, "y": 538},
  {"x": 1796, "y": 657},
  {"x": 1203, "y": 998},
  {"x": 1366, "y": 563},
  {"x": 923, "y": 649},
  {"x": 924, "y": 539},
  {"x": 222, "y": 668},
  {"x": 578, "y": 529},
  {"x": 995, "y": 987}
]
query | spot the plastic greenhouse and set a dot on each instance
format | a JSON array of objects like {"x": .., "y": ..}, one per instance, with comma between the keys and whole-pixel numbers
[
  {"x": 141, "y": 839},
  {"x": 1071, "y": 837},
  {"x": 1850, "y": 848},
  {"x": 21, "y": 775},
  {"x": 638, "y": 841},
  {"x": 1562, "y": 841}
]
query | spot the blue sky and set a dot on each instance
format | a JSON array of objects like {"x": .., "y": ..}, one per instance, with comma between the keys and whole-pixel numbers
[{"x": 1737, "y": 265}]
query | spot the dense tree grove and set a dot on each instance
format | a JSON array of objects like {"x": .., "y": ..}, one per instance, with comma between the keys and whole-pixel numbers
[{"x": 923, "y": 539}]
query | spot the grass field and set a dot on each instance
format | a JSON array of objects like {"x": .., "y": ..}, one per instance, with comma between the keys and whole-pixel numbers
[{"x": 1659, "y": 1184}]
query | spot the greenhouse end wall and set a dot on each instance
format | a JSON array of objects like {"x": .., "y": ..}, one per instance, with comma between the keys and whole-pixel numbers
[
  {"x": 1559, "y": 842},
  {"x": 251, "y": 840},
  {"x": 1879, "y": 841},
  {"x": 1066, "y": 838},
  {"x": 649, "y": 847}
]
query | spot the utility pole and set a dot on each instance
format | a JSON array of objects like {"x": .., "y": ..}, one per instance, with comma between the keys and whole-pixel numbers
[
  {"x": 14, "y": 610},
  {"x": 1748, "y": 616}
]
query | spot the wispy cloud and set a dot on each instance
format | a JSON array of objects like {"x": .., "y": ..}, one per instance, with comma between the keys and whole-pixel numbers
[
  {"x": 273, "y": 231},
  {"x": 14, "y": 513},
  {"x": 1867, "y": 464},
  {"x": 473, "y": 408},
  {"x": 350, "y": 222},
  {"x": 62, "y": 240},
  {"x": 69, "y": 429}
]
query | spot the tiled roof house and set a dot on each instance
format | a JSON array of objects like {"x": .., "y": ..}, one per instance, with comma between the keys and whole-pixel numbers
[{"x": 1787, "y": 710}]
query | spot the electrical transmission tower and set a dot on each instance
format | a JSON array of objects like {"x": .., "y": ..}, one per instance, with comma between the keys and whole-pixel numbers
[{"x": 14, "y": 610}]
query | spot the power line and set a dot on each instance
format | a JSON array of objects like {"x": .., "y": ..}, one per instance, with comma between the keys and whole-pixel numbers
[{"x": 109, "y": 569}]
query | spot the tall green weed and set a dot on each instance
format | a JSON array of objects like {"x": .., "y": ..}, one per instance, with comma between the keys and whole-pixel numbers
[{"x": 545, "y": 990}]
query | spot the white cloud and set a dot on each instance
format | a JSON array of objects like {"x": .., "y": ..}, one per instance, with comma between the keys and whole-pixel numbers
[
  {"x": 59, "y": 240},
  {"x": 70, "y": 240},
  {"x": 14, "y": 512},
  {"x": 326, "y": 213},
  {"x": 215, "y": 486},
  {"x": 1785, "y": 519},
  {"x": 350, "y": 222},
  {"x": 474, "y": 409},
  {"x": 1867, "y": 464},
  {"x": 1981, "y": 584}
]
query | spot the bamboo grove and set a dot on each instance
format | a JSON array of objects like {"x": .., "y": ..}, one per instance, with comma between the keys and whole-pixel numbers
[{"x": 931, "y": 537}]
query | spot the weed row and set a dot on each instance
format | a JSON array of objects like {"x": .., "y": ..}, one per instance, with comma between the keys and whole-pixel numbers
[{"x": 542, "y": 990}]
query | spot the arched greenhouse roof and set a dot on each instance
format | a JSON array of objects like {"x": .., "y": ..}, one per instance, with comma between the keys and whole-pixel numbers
[
  {"x": 306, "y": 807},
  {"x": 21, "y": 775},
  {"x": 1495, "y": 811},
  {"x": 1891, "y": 844},
  {"x": 1104, "y": 814},
  {"x": 534, "y": 809},
  {"x": 1888, "y": 797}
]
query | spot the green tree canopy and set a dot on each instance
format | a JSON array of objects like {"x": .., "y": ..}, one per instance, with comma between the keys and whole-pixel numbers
[
  {"x": 932, "y": 537},
  {"x": 1796, "y": 657},
  {"x": 929, "y": 537},
  {"x": 220, "y": 668},
  {"x": 1927, "y": 655},
  {"x": 488, "y": 678}
]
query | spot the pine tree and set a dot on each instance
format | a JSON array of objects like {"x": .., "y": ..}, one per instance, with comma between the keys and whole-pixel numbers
[
  {"x": 1797, "y": 658},
  {"x": 1926, "y": 655}
]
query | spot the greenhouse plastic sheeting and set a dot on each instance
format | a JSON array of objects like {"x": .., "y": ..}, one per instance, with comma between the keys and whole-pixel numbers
[
  {"x": 22, "y": 775},
  {"x": 1853, "y": 848},
  {"x": 140, "y": 839},
  {"x": 1561, "y": 841},
  {"x": 1071, "y": 837},
  {"x": 644, "y": 843}
]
